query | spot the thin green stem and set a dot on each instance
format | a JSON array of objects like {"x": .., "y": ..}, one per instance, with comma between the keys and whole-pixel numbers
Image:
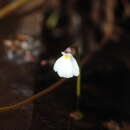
[
  {"x": 78, "y": 84},
  {"x": 78, "y": 91}
]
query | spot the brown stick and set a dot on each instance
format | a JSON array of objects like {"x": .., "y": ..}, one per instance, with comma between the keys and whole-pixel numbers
[
  {"x": 34, "y": 97},
  {"x": 12, "y": 7}
]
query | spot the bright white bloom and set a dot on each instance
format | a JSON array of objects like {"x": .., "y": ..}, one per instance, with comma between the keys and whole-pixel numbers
[{"x": 66, "y": 66}]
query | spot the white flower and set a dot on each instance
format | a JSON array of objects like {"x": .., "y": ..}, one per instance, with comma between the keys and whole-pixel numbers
[{"x": 66, "y": 66}]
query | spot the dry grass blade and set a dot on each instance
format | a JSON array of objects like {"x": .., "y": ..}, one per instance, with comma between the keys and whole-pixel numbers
[{"x": 12, "y": 7}]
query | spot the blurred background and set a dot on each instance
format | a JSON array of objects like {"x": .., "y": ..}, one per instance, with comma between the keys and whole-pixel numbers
[{"x": 32, "y": 35}]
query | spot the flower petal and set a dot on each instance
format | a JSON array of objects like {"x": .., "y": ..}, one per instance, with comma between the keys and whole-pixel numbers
[
  {"x": 66, "y": 67},
  {"x": 75, "y": 67},
  {"x": 58, "y": 64},
  {"x": 65, "y": 70}
]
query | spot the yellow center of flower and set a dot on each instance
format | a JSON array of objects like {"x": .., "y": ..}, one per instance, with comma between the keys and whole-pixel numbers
[{"x": 67, "y": 57}]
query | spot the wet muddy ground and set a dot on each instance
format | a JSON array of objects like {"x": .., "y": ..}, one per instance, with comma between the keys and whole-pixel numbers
[
  {"x": 52, "y": 111},
  {"x": 16, "y": 84},
  {"x": 104, "y": 89}
]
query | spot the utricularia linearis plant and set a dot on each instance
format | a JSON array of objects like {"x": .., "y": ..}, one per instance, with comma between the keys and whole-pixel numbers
[{"x": 67, "y": 67}]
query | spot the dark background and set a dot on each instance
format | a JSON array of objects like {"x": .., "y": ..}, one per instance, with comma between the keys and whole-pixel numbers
[{"x": 100, "y": 29}]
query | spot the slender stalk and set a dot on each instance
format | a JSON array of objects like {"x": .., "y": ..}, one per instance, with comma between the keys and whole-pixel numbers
[
  {"x": 78, "y": 84},
  {"x": 32, "y": 98}
]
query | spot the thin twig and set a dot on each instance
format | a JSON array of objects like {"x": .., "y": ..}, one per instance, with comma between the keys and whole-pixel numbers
[
  {"x": 12, "y": 7},
  {"x": 34, "y": 97}
]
